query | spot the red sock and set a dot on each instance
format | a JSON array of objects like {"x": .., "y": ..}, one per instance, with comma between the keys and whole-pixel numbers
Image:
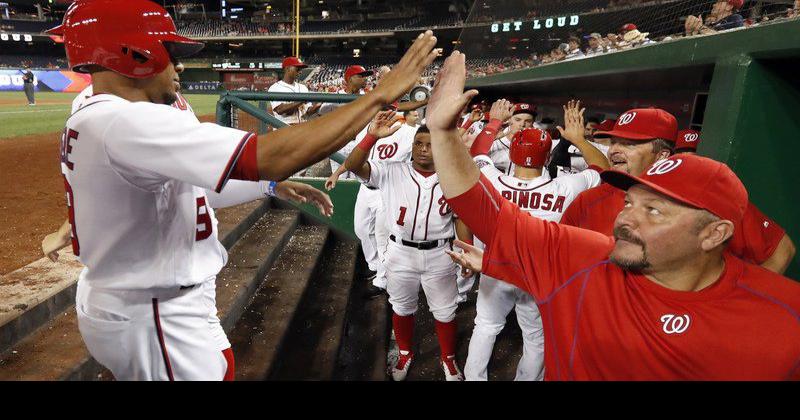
[
  {"x": 446, "y": 332},
  {"x": 230, "y": 373},
  {"x": 403, "y": 331}
]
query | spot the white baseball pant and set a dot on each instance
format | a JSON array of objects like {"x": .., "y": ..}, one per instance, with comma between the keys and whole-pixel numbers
[
  {"x": 167, "y": 334},
  {"x": 382, "y": 243},
  {"x": 495, "y": 300},
  {"x": 407, "y": 268},
  {"x": 367, "y": 204}
]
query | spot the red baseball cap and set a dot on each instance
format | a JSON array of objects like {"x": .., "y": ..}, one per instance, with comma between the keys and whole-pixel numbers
[
  {"x": 356, "y": 70},
  {"x": 644, "y": 124},
  {"x": 687, "y": 139},
  {"x": 628, "y": 27},
  {"x": 293, "y": 62},
  {"x": 693, "y": 180},
  {"x": 523, "y": 108},
  {"x": 605, "y": 125}
]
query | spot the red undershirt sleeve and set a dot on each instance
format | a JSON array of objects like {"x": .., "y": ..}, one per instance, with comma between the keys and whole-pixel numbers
[{"x": 483, "y": 142}]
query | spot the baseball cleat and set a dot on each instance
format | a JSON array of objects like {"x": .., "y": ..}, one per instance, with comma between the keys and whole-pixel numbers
[
  {"x": 400, "y": 369},
  {"x": 373, "y": 291},
  {"x": 451, "y": 370}
]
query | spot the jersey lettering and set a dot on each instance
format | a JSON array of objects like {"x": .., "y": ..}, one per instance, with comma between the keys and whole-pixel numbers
[
  {"x": 66, "y": 146},
  {"x": 531, "y": 200},
  {"x": 76, "y": 247},
  {"x": 444, "y": 208},
  {"x": 203, "y": 220},
  {"x": 387, "y": 151},
  {"x": 401, "y": 219},
  {"x": 180, "y": 103}
]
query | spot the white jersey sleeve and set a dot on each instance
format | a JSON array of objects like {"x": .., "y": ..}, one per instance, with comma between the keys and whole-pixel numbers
[
  {"x": 487, "y": 167},
  {"x": 473, "y": 131},
  {"x": 581, "y": 181},
  {"x": 237, "y": 192},
  {"x": 82, "y": 97},
  {"x": 149, "y": 144},
  {"x": 380, "y": 174}
]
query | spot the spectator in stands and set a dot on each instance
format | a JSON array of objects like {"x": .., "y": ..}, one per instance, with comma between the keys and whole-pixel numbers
[
  {"x": 574, "y": 48},
  {"x": 634, "y": 38},
  {"x": 794, "y": 11},
  {"x": 291, "y": 112},
  {"x": 721, "y": 18},
  {"x": 595, "y": 44}
]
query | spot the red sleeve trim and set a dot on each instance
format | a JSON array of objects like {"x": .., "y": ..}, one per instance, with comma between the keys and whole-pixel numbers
[
  {"x": 246, "y": 168},
  {"x": 467, "y": 124},
  {"x": 596, "y": 168},
  {"x": 226, "y": 174}
]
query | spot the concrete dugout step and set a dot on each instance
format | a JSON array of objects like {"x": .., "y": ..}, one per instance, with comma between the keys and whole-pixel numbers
[{"x": 260, "y": 334}]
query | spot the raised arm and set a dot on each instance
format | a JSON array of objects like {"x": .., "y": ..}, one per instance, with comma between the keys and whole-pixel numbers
[
  {"x": 283, "y": 152},
  {"x": 381, "y": 127},
  {"x": 573, "y": 133},
  {"x": 501, "y": 111}
]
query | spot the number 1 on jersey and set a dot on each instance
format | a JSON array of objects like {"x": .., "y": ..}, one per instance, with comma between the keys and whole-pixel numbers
[{"x": 401, "y": 219}]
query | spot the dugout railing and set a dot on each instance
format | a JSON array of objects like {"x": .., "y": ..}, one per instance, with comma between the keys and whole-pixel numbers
[{"x": 249, "y": 111}]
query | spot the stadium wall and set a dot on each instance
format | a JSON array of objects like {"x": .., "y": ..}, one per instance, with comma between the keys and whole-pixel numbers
[
  {"x": 750, "y": 120},
  {"x": 45, "y": 80}
]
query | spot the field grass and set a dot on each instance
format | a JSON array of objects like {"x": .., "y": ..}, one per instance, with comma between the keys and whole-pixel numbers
[{"x": 52, "y": 110}]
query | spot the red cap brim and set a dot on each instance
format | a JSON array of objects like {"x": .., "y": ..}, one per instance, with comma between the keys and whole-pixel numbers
[
  {"x": 624, "y": 181},
  {"x": 624, "y": 135}
]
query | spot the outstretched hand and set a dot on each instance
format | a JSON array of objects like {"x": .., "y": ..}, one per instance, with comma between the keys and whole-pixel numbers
[
  {"x": 408, "y": 70},
  {"x": 299, "y": 192},
  {"x": 384, "y": 124},
  {"x": 470, "y": 258},
  {"x": 501, "y": 110},
  {"x": 573, "y": 120},
  {"x": 448, "y": 97}
]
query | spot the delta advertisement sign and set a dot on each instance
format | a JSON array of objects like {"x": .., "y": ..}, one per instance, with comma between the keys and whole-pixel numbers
[{"x": 45, "y": 80}]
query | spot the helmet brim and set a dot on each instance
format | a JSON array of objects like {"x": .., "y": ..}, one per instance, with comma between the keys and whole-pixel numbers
[{"x": 180, "y": 46}]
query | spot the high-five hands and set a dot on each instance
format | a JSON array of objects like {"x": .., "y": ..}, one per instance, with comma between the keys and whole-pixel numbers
[
  {"x": 448, "y": 97},
  {"x": 573, "y": 120}
]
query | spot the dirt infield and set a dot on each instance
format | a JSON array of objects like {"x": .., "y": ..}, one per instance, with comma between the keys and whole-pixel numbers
[{"x": 32, "y": 196}]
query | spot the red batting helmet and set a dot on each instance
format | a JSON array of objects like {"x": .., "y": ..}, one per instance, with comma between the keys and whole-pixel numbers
[
  {"x": 530, "y": 148},
  {"x": 135, "y": 38}
]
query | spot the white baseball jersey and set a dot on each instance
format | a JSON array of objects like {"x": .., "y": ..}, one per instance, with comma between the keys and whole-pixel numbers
[
  {"x": 542, "y": 197},
  {"x": 499, "y": 153},
  {"x": 283, "y": 87},
  {"x": 416, "y": 209},
  {"x": 394, "y": 148},
  {"x": 577, "y": 162},
  {"x": 81, "y": 98},
  {"x": 135, "y": 175},
  {"x": 346, "y": 150}
]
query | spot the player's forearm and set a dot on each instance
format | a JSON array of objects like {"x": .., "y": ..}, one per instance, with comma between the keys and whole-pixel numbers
[
  {"x": 287, "y": 108},
  {"x": 454, "y": 166},
  {"x": 411, "y": 105},
  {"x": 463, "y": 232},
  {"x": 592, "y": 155},
  {"x": 283, "y": 152},
  {"x": 483, "y": 142},
  {"x": 780, "y": 259},
  {"x": 356, "y": 163},
  {"x": 237, "y": 192}
]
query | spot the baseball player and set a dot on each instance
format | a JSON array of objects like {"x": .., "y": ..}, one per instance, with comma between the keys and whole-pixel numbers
[
  {"x": 291, "y": 112},
  {"x": 661, "y": 300},
  {"x": 135, "y": 174},
  {"x": 640, "y": 138},
  {"x": 27, "y": 86},
  {"x": 687, "y": 141},
  {"x": 522, "y": 118},
  {"x": 421, "y": 228},
  {"x": 536, "y": 193},
  {"x": 368, "y": 213}
]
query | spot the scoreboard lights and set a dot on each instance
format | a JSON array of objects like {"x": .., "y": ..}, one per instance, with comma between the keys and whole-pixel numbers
[
  {"x": 16, "y": 37},
  {"x": 251, "y": 66},
  {"x": 553, "y": 22}
]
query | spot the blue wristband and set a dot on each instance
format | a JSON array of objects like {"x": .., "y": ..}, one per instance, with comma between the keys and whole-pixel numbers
[{"x": 271, "y": 188}]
